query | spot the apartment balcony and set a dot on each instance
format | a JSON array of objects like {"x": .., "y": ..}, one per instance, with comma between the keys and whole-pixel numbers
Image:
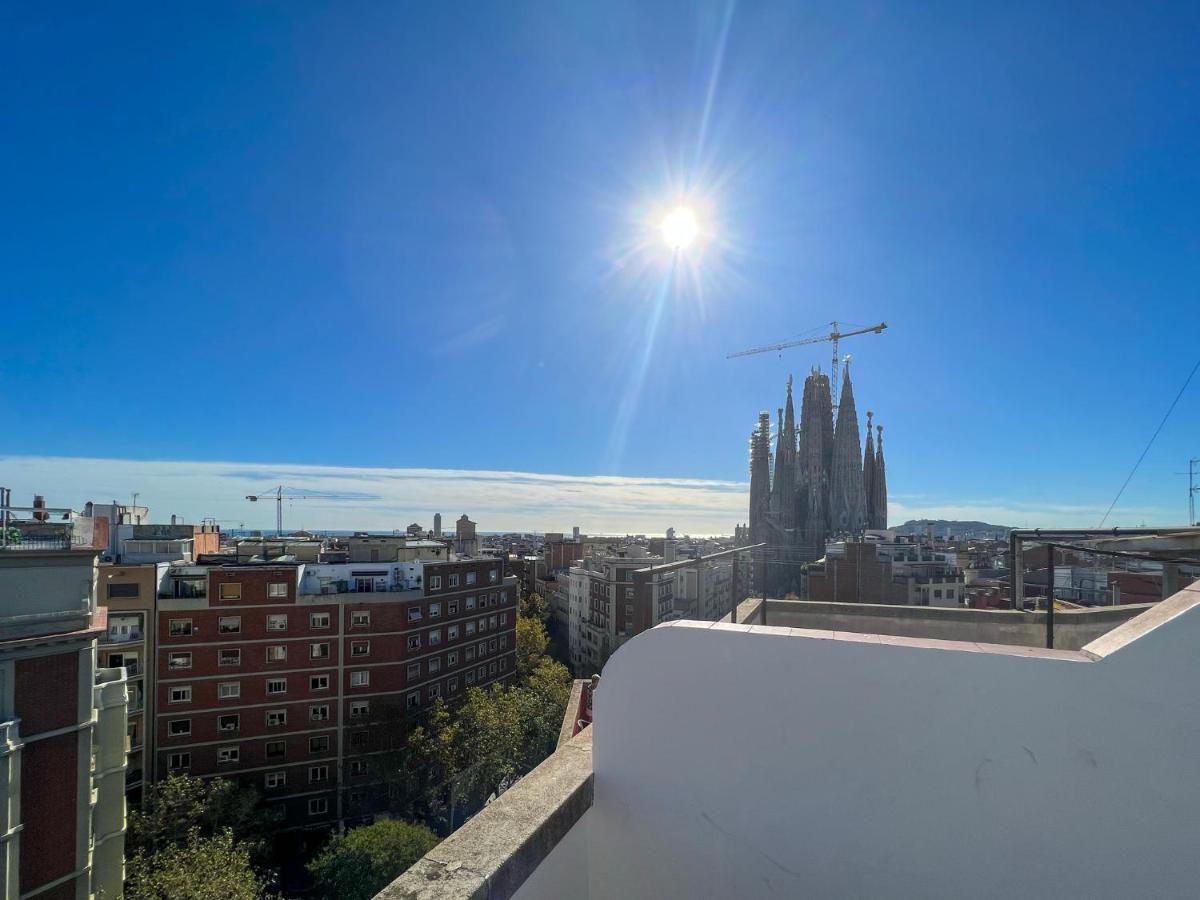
[{"x": 772, "y": 761}]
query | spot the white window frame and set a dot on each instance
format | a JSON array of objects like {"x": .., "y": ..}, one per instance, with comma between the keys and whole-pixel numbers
[
  {"x": 184, "y": 691},
  {"x": 319, "y": 650},
  {"x": 360, "y": 618},
  {"x": 235, "y": 621},
  {"x": 224, "y": 692},
  {"x": 182, "y": 732},
  {"x": 222, "y": 661},
  {"x": 276, "y": 681},
  {"x": 277, "y": 589},
  {"x": 275, "y": 780},
  {"x": 315, "y": 620},
  {"x": 318, "y": 712},
  {"x": 277, "y": 622},
  {"x": 361, "y": 678},
  {"x": 318, "y": 806},
  {"x": 230, "y": 590},
  {"x": 179, "y": 627},
  {"x": 279, "y": 715},
  {"x": 318, "y": 682},
  {"x": 360, "y": 648},
  {"x": 181, "y": 761},
  {"x": 179, "y": 660}
]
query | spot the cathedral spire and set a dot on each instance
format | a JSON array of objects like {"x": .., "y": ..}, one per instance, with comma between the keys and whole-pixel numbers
[
  {"x": 846, "y": 500},
  {"x": 869, "y": 474},
  {"x": 881, "y": 501}
]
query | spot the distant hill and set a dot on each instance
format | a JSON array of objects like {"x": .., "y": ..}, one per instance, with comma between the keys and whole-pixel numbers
[{"x": 954, "y": 527}]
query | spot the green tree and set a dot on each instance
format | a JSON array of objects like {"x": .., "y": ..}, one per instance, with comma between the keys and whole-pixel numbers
[
  {"x": 198, "y": 868},
  {"x": 532, "y": 643},
  {"x": 359, "y": 864},
  {"x": 541, "y": 703},
  {"x": 173, "y": 808},
  {"x": 534, "y": 606}
]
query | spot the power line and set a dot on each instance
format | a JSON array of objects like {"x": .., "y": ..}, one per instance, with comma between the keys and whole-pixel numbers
[{"x": 1153, "y": 437}]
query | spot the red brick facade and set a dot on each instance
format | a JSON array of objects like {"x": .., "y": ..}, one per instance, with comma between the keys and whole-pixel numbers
[{"x": 256, "y": 682}]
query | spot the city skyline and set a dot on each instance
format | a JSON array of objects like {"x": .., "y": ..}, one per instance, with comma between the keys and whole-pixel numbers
[{"x": 600, "y": 504}]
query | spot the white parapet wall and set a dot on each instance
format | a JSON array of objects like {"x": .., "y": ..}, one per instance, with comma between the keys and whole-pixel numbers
[{"x": 749, "y": 761}]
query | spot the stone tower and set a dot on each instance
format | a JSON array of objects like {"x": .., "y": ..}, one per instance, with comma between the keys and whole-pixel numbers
[
  {"x": 880, "y": 484},
  {"x": 868, "y": 470},
  {"x": 847, "y": 506},
  {"x": 815, "y": 456},
  {"x": 760, "y": 477}
]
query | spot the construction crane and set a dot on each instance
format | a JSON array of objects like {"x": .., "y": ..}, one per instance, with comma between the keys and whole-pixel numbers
[
  {"x": 833, "y": 337},
  {"x": 277, "y": 494}
]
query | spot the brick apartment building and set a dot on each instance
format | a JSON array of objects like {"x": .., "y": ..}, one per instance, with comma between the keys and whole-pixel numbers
[
  {"x": 861, "y": 573},
  {"x": 62, "y": 727},
  {"x": 293, "y": 676}
]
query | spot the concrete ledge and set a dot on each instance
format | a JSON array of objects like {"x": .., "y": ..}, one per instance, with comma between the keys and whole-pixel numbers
[{"x": 493, "y": 854}]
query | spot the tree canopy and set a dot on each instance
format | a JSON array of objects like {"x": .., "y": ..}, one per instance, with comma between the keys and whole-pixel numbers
[
  {"x": 360, "y": 863},
  {"x": 197, "y": 868}
]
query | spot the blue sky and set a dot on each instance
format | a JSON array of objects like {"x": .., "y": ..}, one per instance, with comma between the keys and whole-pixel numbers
[{"x": 384, "y": 236}]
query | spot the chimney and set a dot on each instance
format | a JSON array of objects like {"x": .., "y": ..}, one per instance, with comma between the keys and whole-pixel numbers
[
  {"x": 172, "y": 518},
  {"x": 39, "y": 503}
]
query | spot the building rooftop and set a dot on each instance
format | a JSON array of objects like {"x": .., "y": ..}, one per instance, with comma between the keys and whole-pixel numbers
[{"x": 756, "y": 761}]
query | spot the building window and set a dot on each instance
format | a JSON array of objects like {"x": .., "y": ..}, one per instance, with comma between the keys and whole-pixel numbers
[
  {"x": 434, "y": 691},
  {"x": 435, "y": 666},
  {"x": 179, "y": 727},
  {"x": 319, "y": 713},
  {"x": 179, "y": 661},
  {"x": 276, "y": 749},
  {"x": 360, "y": 679},
  {"x": 470, "y": 578},
  {"x": 231, "y": 591},
  {"x": 492, "y": 645},
  {"x": 491, "y": 668},
  {"x": 470, "y": 627},
  {"x": 317, "y": 774},
  {"x": 414, "y": 700},
  {"x": 414, "y": 642},
  {"x": 358, "y": 797},
  {"x": 435, "y": 610},
  {"x": 414, "y": 613},
  {"x": 503, "y": 664},
  {"x": 229, "y": 690},
  {"x": 358, "y": 740},
  {"x": 452, "y": 659},
  {"x": 177, "y": 762},
  {"x": 229, "y": 625},
  {"x": 129, "y": 591},
  {"x": 318, "y": 806},
  {"x": 491, "y": 622},
  {"x": 276, "y": 717},
  {"x": 493, "y": 575},
  {"x": 470, "y": 603},
  {"x": 319, "y": 620},
  {"x": 181, "y": 694},
  {"x": 229, "y": 657},
  {"x": 482, "y": 672},
  {"x": 230, "y": 722},
  {"x": 276, "y": 685},
  {"x": 452, "y": 608},
  {"x": 469, "y": 653},
  {"x": 360, "y": 648},
  {"x": 318, "y": 744},
  {"x": 435, "y": 582},
  {"x": 179, "y": 627},
  {"x": 470, "y": 677},
  {"x": 452, "y": 685},
  {"x": 359, "y": 709},
  {"x": 275, "y": 779},
  {"x": 277, "y": 622},
  {"x": 452, "y": 633},
  {"x": 435, "y": 637},
  {"x": 318, "y": 651},
  {"x": 503, "y": 641},
  {"x": 277, "y": 589},
  {"x": 414, "y": 670},
  {"x": 277, "y": 653},
  {"x": 504, "y": 618},
  {"x": 318, "y": 683},
  {"x": 357, "y": 767},
  {"x": 360, "y": 618},
  {"x": 227, "y": 754},
  {"x": 482, "y": 647}
]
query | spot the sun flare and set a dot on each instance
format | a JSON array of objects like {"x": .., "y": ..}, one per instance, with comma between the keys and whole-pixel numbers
[{"x": 680, "y": 228}]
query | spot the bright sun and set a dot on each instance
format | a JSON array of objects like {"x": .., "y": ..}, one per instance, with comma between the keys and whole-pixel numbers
[{"x": 680, "y": 228}]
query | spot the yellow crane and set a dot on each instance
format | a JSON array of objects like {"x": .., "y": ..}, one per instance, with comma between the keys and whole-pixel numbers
[{"x": 833, "y": 337}]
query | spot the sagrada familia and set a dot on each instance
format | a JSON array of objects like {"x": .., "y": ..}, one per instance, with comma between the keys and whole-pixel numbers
[{"x": 820, "y": 486}]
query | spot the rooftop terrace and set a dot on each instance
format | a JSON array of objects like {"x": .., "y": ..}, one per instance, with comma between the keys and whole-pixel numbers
[{"x": 757, "y": 761}]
